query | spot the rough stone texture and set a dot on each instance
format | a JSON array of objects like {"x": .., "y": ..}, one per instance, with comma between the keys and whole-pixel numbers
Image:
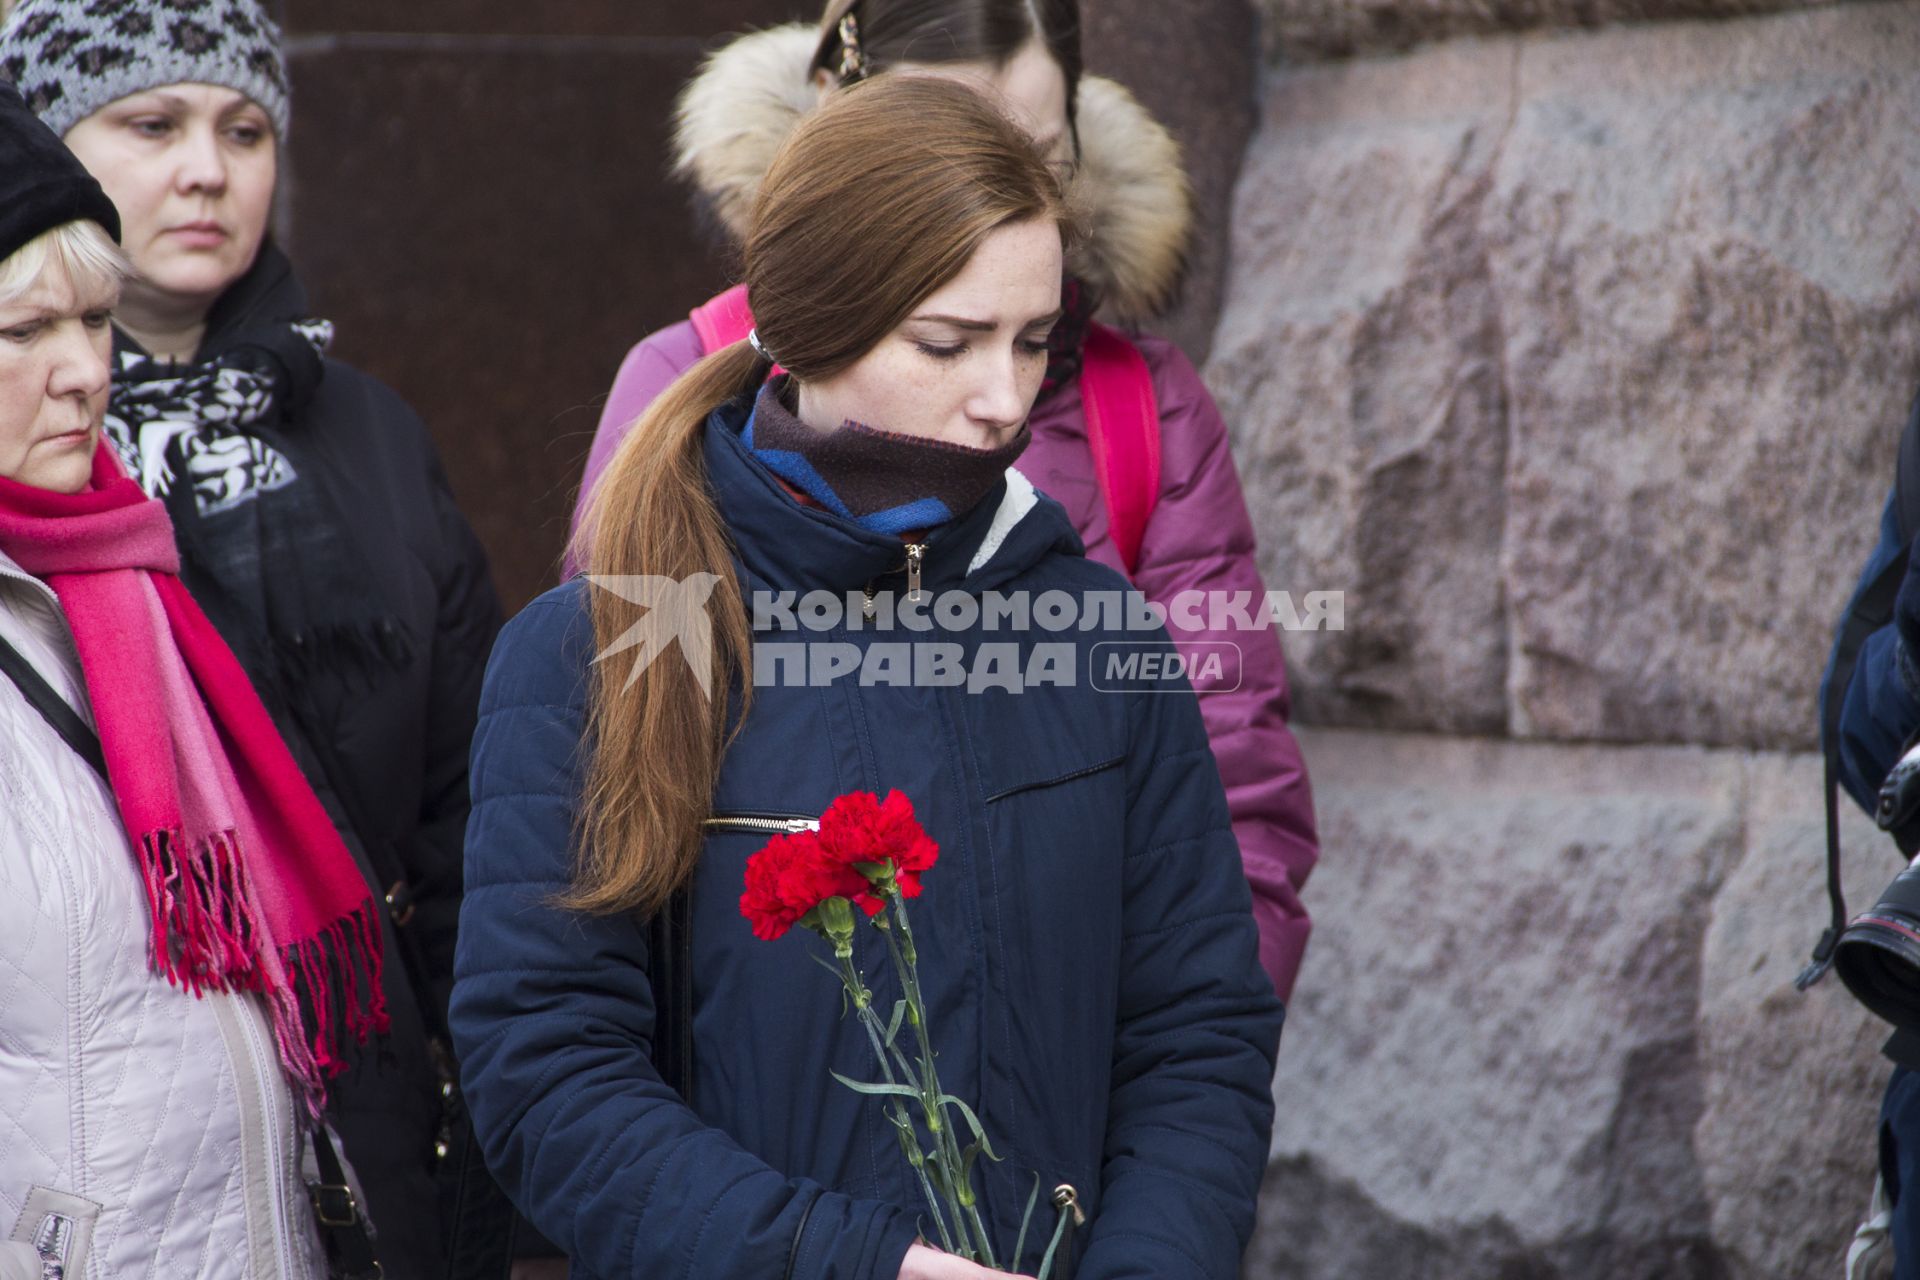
[
  {"x": 1547, "y": 1029},
  {"x": 1578, "y": 363},
  {"x": 1357, "y": 361},
  {"x": 1707, "y": 246},
  {"x": 1194, "y": 65},
  {"x": 1307, "y": 30}
]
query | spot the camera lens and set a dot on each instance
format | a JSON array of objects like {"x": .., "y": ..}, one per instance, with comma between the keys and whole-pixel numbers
[{"x": 1878, "y": 955}]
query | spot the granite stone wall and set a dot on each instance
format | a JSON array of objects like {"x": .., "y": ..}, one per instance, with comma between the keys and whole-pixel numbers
[{"x": 1577, "y": 357}]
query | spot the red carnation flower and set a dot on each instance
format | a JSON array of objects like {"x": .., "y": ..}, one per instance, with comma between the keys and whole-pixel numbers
[
  {"x": 791, "y": 875},
  {"x": 808, "y": 878},
  {"x": 763, "y": 904},
  {"x": 860, "y": 828}
]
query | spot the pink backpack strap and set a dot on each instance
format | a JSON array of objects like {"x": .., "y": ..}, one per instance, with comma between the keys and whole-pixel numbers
[
  {"x": 1123, "y": 431},
  {"x": 722, "y": 321}
]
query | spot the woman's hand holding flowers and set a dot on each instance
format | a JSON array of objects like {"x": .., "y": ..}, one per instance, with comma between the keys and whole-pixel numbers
[{"x": 925, "y": 1263}]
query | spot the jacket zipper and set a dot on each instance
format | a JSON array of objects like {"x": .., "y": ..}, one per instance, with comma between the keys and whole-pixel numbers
[
  {"x": 916, "y": 558},
  {"x": 916, "y": 553},
  {"x": 21, "y": 575},
  {"x": 767, "y": 824},
  {"x": 53, "y": 1241},
  {"x": 270, "y": 1116}
]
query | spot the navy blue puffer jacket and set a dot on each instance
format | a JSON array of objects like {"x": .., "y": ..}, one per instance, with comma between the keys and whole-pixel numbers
[{"x": 1086, "y": 945}]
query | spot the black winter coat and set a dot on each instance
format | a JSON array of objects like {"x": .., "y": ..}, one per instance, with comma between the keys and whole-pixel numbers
[{"x": 383, "y": 736}]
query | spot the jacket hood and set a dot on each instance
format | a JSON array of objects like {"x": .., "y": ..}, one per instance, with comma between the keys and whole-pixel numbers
[
  {"x": 787, "y": 545},
  {"x": 745, "y": 100}
]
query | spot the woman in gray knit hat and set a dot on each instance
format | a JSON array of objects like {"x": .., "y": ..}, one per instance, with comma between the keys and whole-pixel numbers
[
  {"x": 315, "y": 529},
  {"x": 145, "y": 1128}
]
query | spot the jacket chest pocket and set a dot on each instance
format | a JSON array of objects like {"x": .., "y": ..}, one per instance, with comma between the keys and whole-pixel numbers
[
  {"x": 1044, "y": 738},
  {"x": 1059, "y": 837},
  {"x": 1068, "y": 774},
  {"x": 733, "y": 836}
]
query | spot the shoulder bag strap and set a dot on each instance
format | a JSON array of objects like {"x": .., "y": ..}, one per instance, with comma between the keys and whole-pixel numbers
[
  {"x": 53, "y": 708},
  {"x": 343, "y": 1227},
  {"x": 1871, "y": 610},
  {"x": 1123, "y": 433}
]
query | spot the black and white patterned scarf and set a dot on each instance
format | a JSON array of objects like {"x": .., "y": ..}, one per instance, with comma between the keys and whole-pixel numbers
[
  {"x": 270, "y": 553},
  {"x": 174, "y": 425}
]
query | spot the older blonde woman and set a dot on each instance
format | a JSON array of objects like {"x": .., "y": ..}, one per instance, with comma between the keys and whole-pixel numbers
[
  {"x": 315, "y": 528},
  {"x": 186, "y": 948}
]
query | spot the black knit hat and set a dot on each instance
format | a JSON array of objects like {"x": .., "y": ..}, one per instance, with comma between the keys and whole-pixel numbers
[{"x": 42, "y": 185}]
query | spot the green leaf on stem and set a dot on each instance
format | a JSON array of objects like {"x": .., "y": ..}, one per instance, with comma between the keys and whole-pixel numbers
[
  {"x": 893, "y": 1026},
  {"x": 967, "y": 1158},
  {"x": 1026, "y": 1220},
  {"x": 973, "y": 1122},
  {"x": 1053, "y": 1246},
  {"x": 876, "y": 1090},
  {"x": 829, "y": 966}
]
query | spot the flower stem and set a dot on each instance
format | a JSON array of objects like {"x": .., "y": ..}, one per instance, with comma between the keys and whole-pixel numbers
[
  {"x": 903, "y": 1124},
  {"x": 961, "y": 1198}
]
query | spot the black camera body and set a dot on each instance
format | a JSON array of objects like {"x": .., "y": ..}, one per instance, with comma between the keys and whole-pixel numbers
[{"x": 1878, "y": 953}]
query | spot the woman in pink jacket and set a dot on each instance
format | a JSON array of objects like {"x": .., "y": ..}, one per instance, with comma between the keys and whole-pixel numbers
[{"x": 1126, "y": 172}]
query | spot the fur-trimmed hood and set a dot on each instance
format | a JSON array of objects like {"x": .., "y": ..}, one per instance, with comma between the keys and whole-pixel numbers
[{"x": 737, "y": 111}]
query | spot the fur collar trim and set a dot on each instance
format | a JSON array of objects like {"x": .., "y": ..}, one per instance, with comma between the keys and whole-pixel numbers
[{"x": 737, "y": 111}]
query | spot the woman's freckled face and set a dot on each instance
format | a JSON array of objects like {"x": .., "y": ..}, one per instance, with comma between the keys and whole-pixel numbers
[{"x": 966, "y": 366}]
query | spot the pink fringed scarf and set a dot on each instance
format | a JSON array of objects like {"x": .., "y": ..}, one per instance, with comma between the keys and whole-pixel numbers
[{"x": 250, "y": 885}]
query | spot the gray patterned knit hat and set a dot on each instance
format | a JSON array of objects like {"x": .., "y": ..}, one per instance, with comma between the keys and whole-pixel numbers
[{"x": 72, "y": 57}]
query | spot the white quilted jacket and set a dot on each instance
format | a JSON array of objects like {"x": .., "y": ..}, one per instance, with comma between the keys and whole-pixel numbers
[{"x": 143, "y": 1132}]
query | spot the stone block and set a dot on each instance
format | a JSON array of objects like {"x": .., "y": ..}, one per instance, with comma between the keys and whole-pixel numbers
[
  {"x": 1357, "y": 364},
  {"x": 1706, "y": 245},
  {"x": 1546, "y": 1028},
  {"x": 1578, "y": 363},
  {"x": 1787, "y": 1133}
]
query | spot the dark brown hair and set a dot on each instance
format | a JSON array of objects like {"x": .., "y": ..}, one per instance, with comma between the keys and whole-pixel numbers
[
  {"x": 828, "y": 277},
  {"x": 937, "y": 31}
]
